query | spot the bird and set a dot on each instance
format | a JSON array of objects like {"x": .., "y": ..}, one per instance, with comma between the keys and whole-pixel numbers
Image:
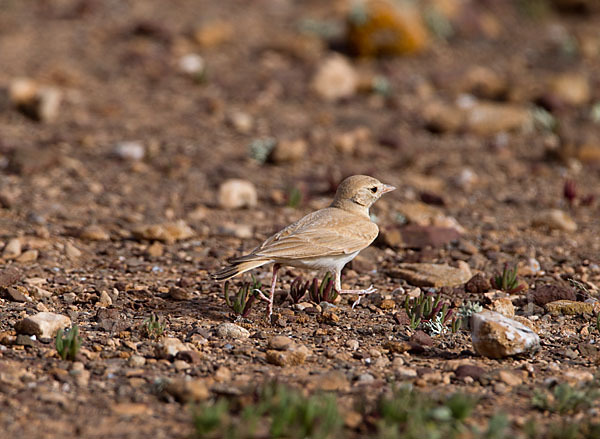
[{"x": 324, "y": 240}]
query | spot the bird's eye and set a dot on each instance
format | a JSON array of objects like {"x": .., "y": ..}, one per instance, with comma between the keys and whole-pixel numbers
[{"x": 374, "y": 189}]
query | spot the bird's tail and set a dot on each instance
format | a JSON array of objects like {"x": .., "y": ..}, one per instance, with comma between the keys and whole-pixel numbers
[{"x": 238, "y": 266}]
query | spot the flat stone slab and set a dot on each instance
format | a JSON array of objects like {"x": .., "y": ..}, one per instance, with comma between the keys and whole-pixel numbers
[{"x": 432, "y": 275}]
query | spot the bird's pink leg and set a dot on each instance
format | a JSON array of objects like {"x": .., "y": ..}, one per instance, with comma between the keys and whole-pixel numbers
[
  {"x": 272, "y": 292},
  {"x": 360, "y": 293}
]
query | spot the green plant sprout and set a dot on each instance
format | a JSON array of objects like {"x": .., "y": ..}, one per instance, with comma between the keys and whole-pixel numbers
[
  {"x": 508, "y": 281},
  {"x": 68, "y": 345},
  {"x": 153, "y": 327},
  {"x": 242, "y": 301},
  {"x": 323, "y": 292}
]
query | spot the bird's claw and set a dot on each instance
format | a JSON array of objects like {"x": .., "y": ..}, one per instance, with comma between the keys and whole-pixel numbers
[
  {"x": 261, "y": 295},
  {"x": 362, "y": 293}
]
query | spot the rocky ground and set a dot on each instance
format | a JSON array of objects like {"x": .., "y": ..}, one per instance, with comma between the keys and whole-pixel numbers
[{"x": 144, "y": 143}]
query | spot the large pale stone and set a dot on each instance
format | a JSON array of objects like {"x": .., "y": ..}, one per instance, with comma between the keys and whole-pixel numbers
[
  {"x": 432, "y": 275},
  {"x": 235, "y": 194},
  {"x": 43, "y": 324},
  {"x": 496, "y": 336},
  {"x": 335, "y": 79}
]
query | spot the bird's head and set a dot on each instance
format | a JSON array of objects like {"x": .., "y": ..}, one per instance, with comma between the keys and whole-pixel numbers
[{"x": 359, "y": 192}]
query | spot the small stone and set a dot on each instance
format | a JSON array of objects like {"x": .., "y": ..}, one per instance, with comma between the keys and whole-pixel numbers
[
  {"x": 383, "y": 28},
  {"x": 352, "y": 344},
  {"x": 169, "y": 232},
  {"x": 425, "y": 215},
  {"x": 214, "y": 33},
  {"x": 180, "y": 365},
  {"x": 12, "y": 250},
  {"x": 478, "y": 284},
  {"x": 136, "y": 361},
  {"x": 192, "y": 65},
  {"x": 94, "y": 233},
  {"x": 222, "y": 374},
  {"x": 236, "y": 194},
  {"x": 578, "y": 376},
  {"x": 509, "y": 378},
  {"x": 387, "y": 304},
  {"x": 571, "y": 89},
  {"x": 9, "y": 276},
  {"x": 555, "y": 219},
  {"x": 397, "y": 347},
  {"x": 335, "y": 79},
  {"x": 492, "y": 118},
  {"x": 468, "y": 370},
  {"x": 432, "y": 275},
  {"x": 416, "y": 236},
  {"x": 550, "y": 293},
  {"x": 242, "y": 231},
  {"x": 191, "y": 357},
  {"x": 503, "y": 306},
  {"x": 71, "y": 251},
  {"x": 280, "y": 343},
  {"x": 496, "y": 336},
  {"x": 177, "y": 293},
  {"x": 332, "y": 381},
  {"x": 187, "y": 391},
  {"x": 405, "y": 373},
  {"x": 28, "y": 256},
  {"x": 43, "y": 324},
  {"x": 288, "y": 151},
  {"x": 365, "y": 378},
  {"x": 241, "y": 121},
  {"x": 105, "y": 300},
  {"x": 156, "y": 250},
  {"x": 420, "y": 338},
  {"x": 40, "y": 103},
  {"x": 232, "y": 331},
  {"x": 294, "y": 356},
  {"x": 16, "y": 294},
  {"x": 131, "y": 151},
  {"x": 569, "y": 308},
  {"x": 169, "y": 347},
  {"x": 129, "y": 409}
]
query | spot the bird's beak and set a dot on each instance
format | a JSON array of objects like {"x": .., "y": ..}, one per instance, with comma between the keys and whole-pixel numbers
[{"x": 387, "y": 188}]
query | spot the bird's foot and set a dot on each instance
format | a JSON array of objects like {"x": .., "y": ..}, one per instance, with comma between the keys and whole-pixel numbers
[
  {"x": 360, "y": 293},
  {"x": 269, "y": 299}
]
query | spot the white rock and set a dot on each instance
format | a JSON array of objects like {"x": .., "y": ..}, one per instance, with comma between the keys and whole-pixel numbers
[
  {"x": 133, "y": 151},
  {"x": 555, "y": 219},
  {"x": 169, "y": 346},
  {"x": 12, "y": 249},
  {"x": 496, "y": 336},
  {"x": 43, "y": 324},
  {"x": 105, "y": 300},
  {"x": 232, "y": 331},
  {"x": 192, "y": 64},
  {"x": 335, "y": 79},
  {"x": 235, "y": 194}
]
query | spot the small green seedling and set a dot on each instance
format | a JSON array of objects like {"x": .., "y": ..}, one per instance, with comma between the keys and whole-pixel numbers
[
  {"x": 323, "y": 292},
  {"x": 294, "y": 197},
  {"x": 242, "y": 301},
  {"x": 153, "y": 326},
  {"x": 508, "y": 281},
  {"x": 298, "y": 289},
  {"x": 427, "y": 308},
  {"x": 68, "y": 345}
]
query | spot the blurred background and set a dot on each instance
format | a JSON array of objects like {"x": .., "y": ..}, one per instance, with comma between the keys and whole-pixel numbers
[{"x": 124, "y": 113}]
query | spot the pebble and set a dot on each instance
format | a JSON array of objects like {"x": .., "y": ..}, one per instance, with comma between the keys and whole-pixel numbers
[
  {"x": 509, "y": 378},
  {"x": 168, "y": 232},
  {"x": 335, "y": 79},
  {"x": 236, "y": 194},
  {"x": 486, "y": 118},
  {"x": 555, "y": 219},
  {"x": 352, "y": 344},
  {"x": 71, "y": 251},
  {"x": 16, "y": 294},
  {"x": 192, "y": 65},
  {"x": 232, "y": 331},
  {"x": 288, "y": 151},
  {"x": 242, "y": 231},
  {"x": 570, "y": 88},
  {"x": 426, "y": 215},
  {"x": 469, "y": 370},
  {"x": 416, "y": 236},
  {"x": 187, "y": 390},
  {"x": 43, "y": 324},
  {"x": 177, "y": 293},
  {"x": 180, "y": 365},
  {"x": 432, "y": 275},
  {"x": 136, "y": 361},
  {"x": 191, "y": 357},
  {"x": 569, "y": 308},
  {"x": 9, "y": 276},
  {"x": 294, "y": 355},
  {"x": 478, "y": 284},
  {"x": 40, "y": 103},
  {"x": 404, "y": 372},
  {"x": 578, "y": 376},
  {"x": 130, "y": 150},
  {"x": 241, "y": 121},
  {"x": 28, "y": 256},
  {"x": 94, "y": 233},
  {"x": 496, "y": 336},
  {"x": 544, "y": 294},
  {"x": 503, "y": 306},
  {"x": 155, "y": 250},
  {"x": 280, "y": 343},
  {"x": 12, "y": 250},
  {"x": 105, "y": 300},
  {"x": 169, "y": 347},
  {"x": 332, "y": 381}
]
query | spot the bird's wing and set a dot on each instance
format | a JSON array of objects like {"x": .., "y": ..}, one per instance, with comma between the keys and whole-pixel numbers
[{"x": 326, "y": 232}]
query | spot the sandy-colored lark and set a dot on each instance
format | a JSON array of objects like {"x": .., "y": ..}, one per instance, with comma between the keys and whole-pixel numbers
[{"x": 324, "y": 240}]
